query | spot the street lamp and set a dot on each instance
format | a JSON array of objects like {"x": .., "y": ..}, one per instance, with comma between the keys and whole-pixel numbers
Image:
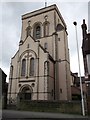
[{"x": 83, "y": 109}]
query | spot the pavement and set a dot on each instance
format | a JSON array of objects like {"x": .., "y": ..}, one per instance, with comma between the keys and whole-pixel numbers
[{"x": 24, "y": 115}]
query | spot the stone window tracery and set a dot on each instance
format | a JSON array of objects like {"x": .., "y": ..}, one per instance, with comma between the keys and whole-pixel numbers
[
  {"x": 23, "y": 69},
  {"x": 32, "y": 64},
  {"x": 37, "y": 31}
]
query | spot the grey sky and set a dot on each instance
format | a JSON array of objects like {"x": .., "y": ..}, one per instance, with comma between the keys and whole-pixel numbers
[
  {"x": 10, "y": 22},
  {"x": 89, "y": 16}
]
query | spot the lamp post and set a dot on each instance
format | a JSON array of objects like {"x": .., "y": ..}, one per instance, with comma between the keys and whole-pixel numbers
[{"x": 82, "y": 101}]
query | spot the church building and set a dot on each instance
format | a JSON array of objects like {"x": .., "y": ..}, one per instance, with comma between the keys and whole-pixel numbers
[{"x": 40, "y": 69}]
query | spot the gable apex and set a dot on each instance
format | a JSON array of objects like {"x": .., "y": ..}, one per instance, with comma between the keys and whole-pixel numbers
[{"x": 21, "y": 41}]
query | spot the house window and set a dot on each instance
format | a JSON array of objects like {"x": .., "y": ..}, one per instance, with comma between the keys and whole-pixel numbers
[
  {"x": 23, "y": 69},
  {"x": 31, "y": 67},
  {"x": 46, "y": 29}
]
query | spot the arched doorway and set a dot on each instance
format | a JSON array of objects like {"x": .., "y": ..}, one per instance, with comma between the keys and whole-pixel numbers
[{"x": 25, "y": 93}]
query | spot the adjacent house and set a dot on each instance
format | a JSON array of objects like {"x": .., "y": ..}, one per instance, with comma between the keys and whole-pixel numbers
[
  {"x": 75, "y": 86},
  {"x": 86, "y": 59},
  {"x": 4, "y": 88}
]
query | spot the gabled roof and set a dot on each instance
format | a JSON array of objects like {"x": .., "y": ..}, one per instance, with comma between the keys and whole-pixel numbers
[
  {"x": 2, "y": 72},
  {"x": 15, "y": 54},
  {"x": 26, "y": 39}
]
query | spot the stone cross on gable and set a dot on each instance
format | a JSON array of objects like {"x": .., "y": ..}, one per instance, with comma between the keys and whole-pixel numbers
[
  {"x": 45, "y": 3},
  {"x": 28, "y": 55}
]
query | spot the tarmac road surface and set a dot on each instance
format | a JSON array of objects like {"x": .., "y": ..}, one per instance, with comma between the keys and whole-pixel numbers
[{"x": 26, "y": 115}]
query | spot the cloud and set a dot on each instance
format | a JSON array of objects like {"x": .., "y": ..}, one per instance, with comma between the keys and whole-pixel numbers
[
  {"x": 74, "y": 63},
  {"x": 11, "y": 27},
  {"x": 10, "y": 24},
  {"x": 53, "y": 1},
  {"x": 75, "y": 12}
]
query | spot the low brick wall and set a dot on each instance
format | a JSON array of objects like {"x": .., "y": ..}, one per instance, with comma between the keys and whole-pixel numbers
[{"x": 73, "y": 107}]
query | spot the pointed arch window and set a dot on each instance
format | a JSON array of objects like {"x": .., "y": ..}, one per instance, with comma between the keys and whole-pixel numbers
[
  {"x": 37, "y": 31},
  {"x": 23, "y": 69},
  {"x": 46, "y": 29},
  {"x": 32, "y": 65}
]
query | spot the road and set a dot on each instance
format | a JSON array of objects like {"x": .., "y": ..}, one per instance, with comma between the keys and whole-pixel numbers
[{"x": 24, "y": 115}]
